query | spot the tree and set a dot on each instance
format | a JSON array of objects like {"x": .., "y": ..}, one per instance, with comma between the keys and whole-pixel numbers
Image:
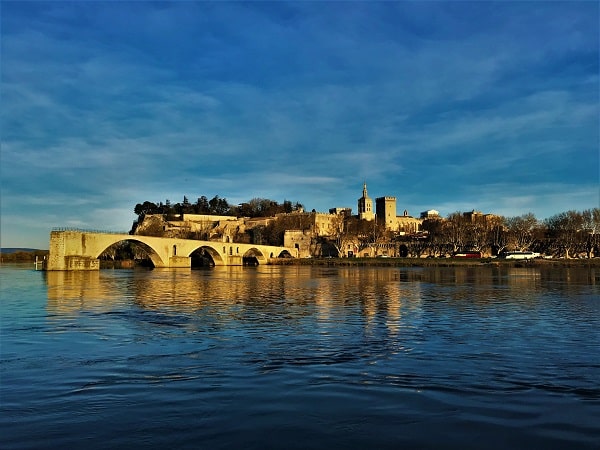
[
  {"x": 218, "y": 206},
  {"x": 287, "y": 206},
  {"x": 360, "y": 231},
  {"x": 275, "y": 231},
  {"x": 436, "y": 243},
  {"x": 590, "y": 234},
  {"x": 522, "y": 231},
  {"x": 455, "y": 231},
  {"x": 563, "y": 230},
  {"x": 478, "y": 234},
  {"x": 497, "y": 235},
  {"x": 141, "y": 209},
  {"x": 341, "y": 234},
  {"x": 186, "y": 207},
  {"x": 202, "y": 206}
]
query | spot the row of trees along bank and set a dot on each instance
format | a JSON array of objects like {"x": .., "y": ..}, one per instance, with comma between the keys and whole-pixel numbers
[{"x": 568, "y": 234}]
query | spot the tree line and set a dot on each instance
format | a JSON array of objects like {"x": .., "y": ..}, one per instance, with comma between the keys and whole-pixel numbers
[
  {"x": 257, "y": 207},
  {"x": 567, "y": 234},
  {"x": 23, "y": 256}
]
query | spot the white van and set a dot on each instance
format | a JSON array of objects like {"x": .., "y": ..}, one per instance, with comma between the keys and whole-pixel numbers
[{"x": 521, "y": 255}]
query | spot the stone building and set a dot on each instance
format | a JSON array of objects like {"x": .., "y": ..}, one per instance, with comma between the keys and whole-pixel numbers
[
  {"x": 385, "y": 213},
  {"x": 302, "y": 240},
  {"x": 365, "y": 205},
  {"x": 407, "y": 224},
  {"x": 347, "y": 212},
  {"x": 385, "y": 210},
  {"x": 477, "y": 216},
  {"x": 430, "y": 214}
]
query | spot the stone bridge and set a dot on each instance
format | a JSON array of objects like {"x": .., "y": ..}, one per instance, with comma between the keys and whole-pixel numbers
[{"x": 80, "y": 250}]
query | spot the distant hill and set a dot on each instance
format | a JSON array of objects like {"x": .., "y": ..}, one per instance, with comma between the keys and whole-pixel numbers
[{"x": 9, "y": 250}]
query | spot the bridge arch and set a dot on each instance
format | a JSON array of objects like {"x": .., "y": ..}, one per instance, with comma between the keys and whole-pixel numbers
[
  {"x": 157, "y": 261},
  {"x": 210, "y": 251},
  {"x": 253, "y": 256}
]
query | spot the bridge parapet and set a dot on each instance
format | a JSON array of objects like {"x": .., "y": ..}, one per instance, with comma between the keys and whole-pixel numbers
[{"x": 88, "y": 231}]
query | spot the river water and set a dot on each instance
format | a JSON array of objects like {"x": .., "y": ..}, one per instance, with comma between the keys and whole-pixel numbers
[{"x": 301, "y": 357}]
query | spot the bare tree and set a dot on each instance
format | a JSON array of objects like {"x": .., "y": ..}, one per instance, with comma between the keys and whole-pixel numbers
[
  {"x": 478, "y": 234},
  {"x": 590, "y": 234},
  {"x": 522, "y": 231},
  {"x": 497, "y": 235},
  {"x": 436, "y": 242},
  {"x": 563, "y": 230},
  {"x": 416, "y": 246},
  {"x": 341, "y": 236},
  {"x": 455, "y": 231}
]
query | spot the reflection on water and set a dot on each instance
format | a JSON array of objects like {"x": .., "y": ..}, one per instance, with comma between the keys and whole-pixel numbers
[
  {"x": 301, "y": 357},
  {"x": 319, "y": 286}
]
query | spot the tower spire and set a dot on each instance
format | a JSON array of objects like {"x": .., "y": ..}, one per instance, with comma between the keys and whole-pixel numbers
[{"x": 365, "y": 205}]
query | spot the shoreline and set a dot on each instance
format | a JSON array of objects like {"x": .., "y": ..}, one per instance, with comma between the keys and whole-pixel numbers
[{"x": 436, "y": 262}]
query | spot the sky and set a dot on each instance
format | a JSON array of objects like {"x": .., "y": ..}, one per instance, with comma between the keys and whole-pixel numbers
[{"x": 453, "y": 106}]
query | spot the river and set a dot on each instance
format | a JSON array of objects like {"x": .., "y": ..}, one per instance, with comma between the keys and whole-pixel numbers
[{"x": 301, "y": 357}]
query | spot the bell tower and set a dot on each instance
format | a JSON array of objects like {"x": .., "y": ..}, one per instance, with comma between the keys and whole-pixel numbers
[{"x": 365, "y": 205}]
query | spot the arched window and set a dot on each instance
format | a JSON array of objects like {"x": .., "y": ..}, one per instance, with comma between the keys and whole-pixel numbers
[{"x": 174, "y": 250}]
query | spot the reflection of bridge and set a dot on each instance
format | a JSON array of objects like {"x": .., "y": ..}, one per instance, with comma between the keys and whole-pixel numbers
[{"x": 79, "y": 250}]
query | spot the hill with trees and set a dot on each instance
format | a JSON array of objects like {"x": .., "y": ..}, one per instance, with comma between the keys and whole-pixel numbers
[{"x": 257, "y": 207}]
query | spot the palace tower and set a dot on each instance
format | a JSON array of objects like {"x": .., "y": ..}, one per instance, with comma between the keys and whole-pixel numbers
[{"x": 365, "y": 205}]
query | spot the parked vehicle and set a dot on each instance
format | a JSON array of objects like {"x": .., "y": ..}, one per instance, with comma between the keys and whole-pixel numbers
[
  {"x": 467, "y": 255},
  {"x": 520, "y": 255}
]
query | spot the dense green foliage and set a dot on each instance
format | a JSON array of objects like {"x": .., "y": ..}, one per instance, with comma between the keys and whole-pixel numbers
[{"x": 257, "y": 207}]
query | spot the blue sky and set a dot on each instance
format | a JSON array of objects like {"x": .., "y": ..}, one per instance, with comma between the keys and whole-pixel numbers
[{"x": 451, "y": 106}]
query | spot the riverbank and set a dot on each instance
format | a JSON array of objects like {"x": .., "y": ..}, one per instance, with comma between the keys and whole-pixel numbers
[{"x": 438, "y": 262}]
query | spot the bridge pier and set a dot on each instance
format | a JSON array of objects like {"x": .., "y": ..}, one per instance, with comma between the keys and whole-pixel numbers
[
  {"x": 66, "y": 253},
  {"x": 180, "y": 262},
  {"x": 81, "y": 263},
  {"x": 71, "y": 263},
  {"x": 234, "y": 260}
]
